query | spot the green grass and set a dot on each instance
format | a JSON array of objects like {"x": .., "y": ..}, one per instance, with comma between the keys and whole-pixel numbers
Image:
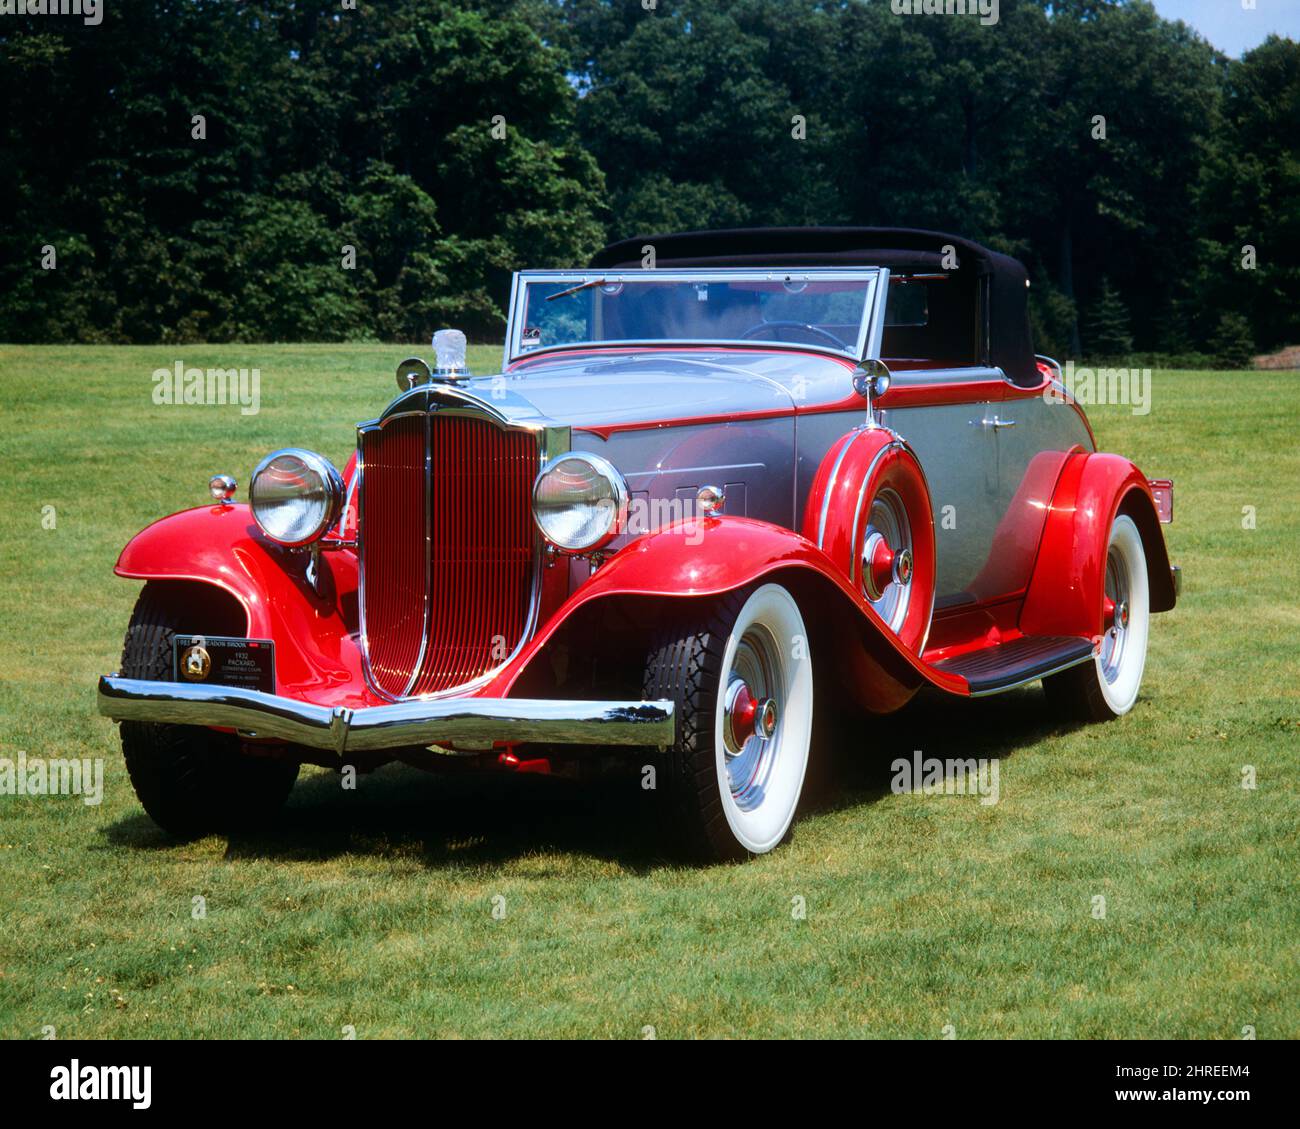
[{"x": 373, "y": 908}]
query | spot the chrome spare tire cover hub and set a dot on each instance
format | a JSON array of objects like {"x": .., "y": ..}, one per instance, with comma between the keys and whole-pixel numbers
[{"x": 887, "y": 565}]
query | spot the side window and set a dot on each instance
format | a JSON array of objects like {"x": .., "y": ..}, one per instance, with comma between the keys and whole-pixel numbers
[
  {"x": 933, "y": 321},
  {"x": 907, "y": 304}
]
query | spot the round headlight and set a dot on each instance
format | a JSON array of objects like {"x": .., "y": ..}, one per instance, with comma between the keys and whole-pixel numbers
[
  {"x": 295, "y": 496},
  {"x": 579, "y": 502}
]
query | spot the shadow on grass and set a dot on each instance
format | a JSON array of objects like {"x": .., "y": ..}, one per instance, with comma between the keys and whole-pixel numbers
[
  {"x": 939, "y": 726},
  {"x": 486, "y": 818}
]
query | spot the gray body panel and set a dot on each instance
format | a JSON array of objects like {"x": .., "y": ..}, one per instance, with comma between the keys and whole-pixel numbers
[{"x": 759, "y": 423}]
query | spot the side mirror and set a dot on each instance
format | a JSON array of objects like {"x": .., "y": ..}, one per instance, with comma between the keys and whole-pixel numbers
[
  {"x": 871, "y": 379},
  {"x": 413, "y": 372}
]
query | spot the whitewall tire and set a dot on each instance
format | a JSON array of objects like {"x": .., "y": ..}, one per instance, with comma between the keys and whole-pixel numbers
[
  {"x": 1108, "y": 686},
  {"x": 742, "y": 684}
]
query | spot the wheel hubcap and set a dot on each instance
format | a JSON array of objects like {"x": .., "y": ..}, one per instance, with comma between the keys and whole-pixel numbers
[
  {"x": 877, "y": 566},
  {"x": 886, "y": 563},
  {"x": 753, "y": 717},
  {"x": 1115, "y": 615}
]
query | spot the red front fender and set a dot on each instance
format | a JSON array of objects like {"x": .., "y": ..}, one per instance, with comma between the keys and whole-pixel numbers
[
  {"x": 316, "y": 655},
  {"x": 708, "y": 557},
  {"x": 1068, "y": 583}
]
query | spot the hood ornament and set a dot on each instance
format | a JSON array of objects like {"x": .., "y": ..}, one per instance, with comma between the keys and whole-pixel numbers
[{"x": 450, "y": 346}]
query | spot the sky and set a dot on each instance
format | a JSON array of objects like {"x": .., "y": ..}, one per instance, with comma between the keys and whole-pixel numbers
[{"x": 1234, "y": 26}]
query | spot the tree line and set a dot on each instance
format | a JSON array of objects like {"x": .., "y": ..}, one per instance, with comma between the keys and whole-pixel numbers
[{"x": 195, "y": 170}]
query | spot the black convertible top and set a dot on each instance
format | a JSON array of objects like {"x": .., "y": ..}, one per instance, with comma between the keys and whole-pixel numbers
[{"x": 994, "y": 283}]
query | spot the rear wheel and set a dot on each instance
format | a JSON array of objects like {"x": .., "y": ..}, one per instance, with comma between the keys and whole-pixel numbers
[
  {"x": 742, "y": 685},
  {"x": 192, "y": 780},
  {"x": 1108, "y": 686}
]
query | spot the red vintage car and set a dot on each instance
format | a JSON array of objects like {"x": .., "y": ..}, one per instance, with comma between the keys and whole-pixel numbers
[{"x": 722, "y": 481}]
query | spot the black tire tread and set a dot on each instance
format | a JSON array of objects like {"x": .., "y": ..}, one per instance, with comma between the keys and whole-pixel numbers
[
  {"x": 191, "y": 781},
  {"x": 685, "y": 666}
]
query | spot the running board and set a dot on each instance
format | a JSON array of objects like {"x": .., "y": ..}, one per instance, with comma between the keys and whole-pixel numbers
[{"x": 1008, "y": 665}]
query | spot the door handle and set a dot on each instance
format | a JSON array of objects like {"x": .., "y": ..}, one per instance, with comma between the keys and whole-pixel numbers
[{"x": 994, "y": 424}]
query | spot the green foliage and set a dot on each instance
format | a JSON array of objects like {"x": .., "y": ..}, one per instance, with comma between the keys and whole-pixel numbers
[
  {"x": 1108, "y": 327},
  {"x": 451, "y": 142},
  {"x": 1250, "y": 195},
  {"x": 371, "y": 129},
  {"x": 1051, "y": 317},
  {"x": 1232, "y": 345}
]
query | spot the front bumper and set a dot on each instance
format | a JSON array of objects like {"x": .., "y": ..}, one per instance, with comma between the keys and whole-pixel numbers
[{"x": 415, "y": 723}]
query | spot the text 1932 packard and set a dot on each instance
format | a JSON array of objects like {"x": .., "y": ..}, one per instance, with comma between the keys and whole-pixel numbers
[{"x": 725, "y": 484}]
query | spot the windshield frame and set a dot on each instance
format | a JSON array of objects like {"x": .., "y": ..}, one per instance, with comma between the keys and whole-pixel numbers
[{"x": 867, "y": 344}]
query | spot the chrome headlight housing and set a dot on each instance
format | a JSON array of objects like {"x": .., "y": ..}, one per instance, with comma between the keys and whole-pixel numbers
[
  {"x": 295, "y": 496},
  {"x": 579, "y": 502}
]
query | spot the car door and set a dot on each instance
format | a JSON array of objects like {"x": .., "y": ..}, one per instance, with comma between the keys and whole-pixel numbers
[{"x": 947, "y": 417}]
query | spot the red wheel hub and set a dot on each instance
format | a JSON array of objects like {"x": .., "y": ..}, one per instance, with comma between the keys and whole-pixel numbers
[
  {"x": 748, "y": 716},
  {"x": 741, "y": 716},
  {"x": 882, "y": 566}
]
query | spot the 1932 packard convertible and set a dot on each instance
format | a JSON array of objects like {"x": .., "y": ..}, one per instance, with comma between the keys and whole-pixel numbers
[{"x": 725, "y": 484}]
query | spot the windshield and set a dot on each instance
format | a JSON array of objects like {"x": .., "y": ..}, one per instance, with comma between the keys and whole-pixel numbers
[{"x": 825, "y": 309}]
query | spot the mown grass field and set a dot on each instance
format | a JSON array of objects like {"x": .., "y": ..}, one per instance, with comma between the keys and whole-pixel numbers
[{"x": 373, "y": 908}]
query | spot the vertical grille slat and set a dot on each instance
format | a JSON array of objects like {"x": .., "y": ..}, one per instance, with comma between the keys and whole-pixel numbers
[{"x": 475, "y": 572}]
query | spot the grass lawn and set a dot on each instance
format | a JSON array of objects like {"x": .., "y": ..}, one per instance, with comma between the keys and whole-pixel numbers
[{"x": 373, "y": 908}]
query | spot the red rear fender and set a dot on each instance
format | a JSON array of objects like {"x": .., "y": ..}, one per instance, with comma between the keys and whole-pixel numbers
[{"x": 1067, "y": 586}]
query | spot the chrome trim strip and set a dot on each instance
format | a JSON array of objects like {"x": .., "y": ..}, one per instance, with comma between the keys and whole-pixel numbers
[
  {"x": 510, "y": 312},
  {"x": 875, "y": 324},
  {"x": 830, "y": 488},
  {"x": 1032, "y": 678},
  {"x": 895, "y": 444},
  {"x": 1053, "y": 364},
  {"x": 923, "y": 378},
  {"x": 418, "y": 722}
]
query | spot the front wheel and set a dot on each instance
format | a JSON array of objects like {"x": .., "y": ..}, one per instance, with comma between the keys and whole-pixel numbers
[
  {"x": 742, "y": 684},
  {"x": 1108, "y": 686},
  {"x": 192, "y": 780}
]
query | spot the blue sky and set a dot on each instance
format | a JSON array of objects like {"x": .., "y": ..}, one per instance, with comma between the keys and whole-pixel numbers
[{"x": 1232, "y": 28}]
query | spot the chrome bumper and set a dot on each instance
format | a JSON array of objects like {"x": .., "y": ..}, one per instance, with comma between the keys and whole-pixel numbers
[{"x": 403, "y": 724}]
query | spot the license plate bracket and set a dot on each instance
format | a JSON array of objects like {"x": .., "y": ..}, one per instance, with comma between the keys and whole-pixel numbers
[{"x": 224, "y": 660}]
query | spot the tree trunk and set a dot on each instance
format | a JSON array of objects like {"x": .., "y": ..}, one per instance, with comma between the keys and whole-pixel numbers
[{"x": 1066, "y": 281}]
